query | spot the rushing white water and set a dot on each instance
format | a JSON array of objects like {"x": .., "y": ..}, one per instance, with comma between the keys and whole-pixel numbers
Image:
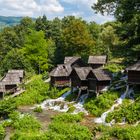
[
  {"x": 79, "y": 106},
  {"x": 58, "y": 104},
  {"x": 101, "y": 120},
  {"x": 61, "y": 105}
]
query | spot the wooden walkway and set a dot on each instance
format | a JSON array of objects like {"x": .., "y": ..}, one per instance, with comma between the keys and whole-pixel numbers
[{"x": 17, "y": 93}]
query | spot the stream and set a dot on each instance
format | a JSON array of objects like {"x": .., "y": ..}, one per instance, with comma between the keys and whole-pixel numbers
[
  {"x": 101, "y": 120},
  {"x": 61, "y": 105}
]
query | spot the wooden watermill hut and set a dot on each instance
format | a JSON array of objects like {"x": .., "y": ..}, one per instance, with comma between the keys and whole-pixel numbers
[
  {"x": 133, "y": 73},
  {"x": 78, "y": 77},
  {"x": 97, "y": 62},
  {"x": 60, "y": 76},
  {"x": 98, "y": 80},
  {"x": 11, "y": 80}
]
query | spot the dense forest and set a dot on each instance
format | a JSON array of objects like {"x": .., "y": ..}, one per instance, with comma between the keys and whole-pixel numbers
[{"x": 38, "y": 45}]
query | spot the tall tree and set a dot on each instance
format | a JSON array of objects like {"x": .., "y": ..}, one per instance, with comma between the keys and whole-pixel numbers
[
  {"x": 128, "y": 13},
  {"x": 36, "y": 51},
  {"x": 76, "y": 38}
]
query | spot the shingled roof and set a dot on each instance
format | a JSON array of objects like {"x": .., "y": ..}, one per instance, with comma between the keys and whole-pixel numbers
[
  {"x": 82, "y": 72},
  {"x": 102, "y": 75},
  {"x": 65, "y": 69},
  {"x": 20, "y": 73},
  {"x": 135, "y": 67},
  {"x": 12, "y": 77},
  {"x": 71, "y": 59},
  {"x": 59, "y": 71},
  {"x": 97, "y": 59}
]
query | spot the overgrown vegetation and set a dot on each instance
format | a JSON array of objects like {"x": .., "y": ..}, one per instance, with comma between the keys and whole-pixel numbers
[
  {"x": 2, "y": 132},
  {"x": 68, "y": 118},
  {"x": 27, "y": 127},
  {"x": 117, "y": 132},
  {"x": 69, "y": 128},
  {"x": 102, "y": 103},
  {"x": 6, "y": 107},
  {"x": 37, "y": 91},
  {"x": 130, "y": 112}
]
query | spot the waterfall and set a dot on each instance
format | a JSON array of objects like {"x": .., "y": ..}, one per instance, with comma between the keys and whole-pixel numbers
[
  {"x": 58, "y": 104},
  {"x": 79, "y": 106},
  {"x": 101, "y": 120},
  {"x": 61, "y": 105}
]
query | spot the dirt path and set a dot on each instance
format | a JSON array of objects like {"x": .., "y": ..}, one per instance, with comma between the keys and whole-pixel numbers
[
  {"x": 44, "y": 117},
  {"x": 8, "y": 133}
]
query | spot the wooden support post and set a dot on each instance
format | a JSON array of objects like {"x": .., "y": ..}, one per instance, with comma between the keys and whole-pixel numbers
[
  {"x": 71, "y": 89},
  {"x": 88, "y": 92},
  {"x": 79, "y": 93},
  {"x": 3, "y": 95}
]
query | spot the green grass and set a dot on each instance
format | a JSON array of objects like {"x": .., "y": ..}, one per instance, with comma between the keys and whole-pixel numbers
[
  {"x": 37, "y": 91},
  {"x": 66, "y": 127},
  {"x": 38, "y": 109},
  {"x": 120, "y": 133},
  {"x": 100, "y": 104},
  {"x": 114, "y": 67},
  {"x": 68, "y": 118},
  {"x": 63, "y": 127},
  {"x": 25, "y": 127},
  {"x": 2, "y": 132},
  {"x": 131, "y": 113}
]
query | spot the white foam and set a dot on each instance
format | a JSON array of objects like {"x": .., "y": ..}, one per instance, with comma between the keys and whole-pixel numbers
[{"x": 61, "y": 105}]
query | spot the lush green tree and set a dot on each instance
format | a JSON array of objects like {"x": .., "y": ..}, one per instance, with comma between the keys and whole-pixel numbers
[
  {"x": 109, "y": 40},
  {"x": 15, "y": 60},
  {"x": 8, "y": 40},
  {"x": 95, "y": 30},
  {"x": 76, "y": 38},
  {"x": 36, "y": 51},
  {"x": 124, "y": 10},
  {"x": 128, "y": 13},
  {"x": 41, "y": 23}
]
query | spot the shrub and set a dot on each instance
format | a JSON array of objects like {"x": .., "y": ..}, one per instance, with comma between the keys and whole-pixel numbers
[
  {"x": 68, "y": 118},
  {"x": 114, "y": 68},
  {"x": 102, "y": 103},
  {"x": 25, "y": 127},
  {"x": 65, "y": 126},
  {"x": 7, "y": 106},
  {"x": 117, "y": 132},
  {"x": 18, "y": 135},
  {"x": 131, "y": 113},
  {"x": 38, "y": 109},
  {"x": 70, "y": 131},
  {"x": 36, "y": 92},
  {"x": 71, "y": 109},
  {"x": 26, "y": 123},
  {"x": 2, "y": 132}
]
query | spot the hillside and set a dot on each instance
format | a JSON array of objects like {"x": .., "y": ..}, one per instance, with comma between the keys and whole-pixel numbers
[{"x": 8, "y": 21}]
